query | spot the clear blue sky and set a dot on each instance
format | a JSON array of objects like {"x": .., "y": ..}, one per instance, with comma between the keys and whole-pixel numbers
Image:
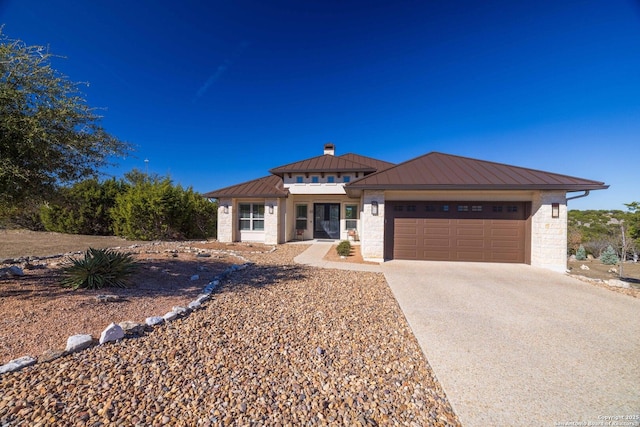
[{"x": 218, "y": 92}]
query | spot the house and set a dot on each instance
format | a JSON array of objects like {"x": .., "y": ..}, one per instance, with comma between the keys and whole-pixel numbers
[{"x": 433, "y": 207}]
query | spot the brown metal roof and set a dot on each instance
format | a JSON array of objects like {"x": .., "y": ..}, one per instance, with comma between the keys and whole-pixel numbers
[
  {"x": 437, "y": 171},
  {"x": 324, "y": 163},
  {"x": 268, "y": 186},
  {"x": 378, "y": 165}
]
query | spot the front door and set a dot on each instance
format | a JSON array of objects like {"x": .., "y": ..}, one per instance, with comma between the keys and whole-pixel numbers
[{"x": 327, "y": 220}]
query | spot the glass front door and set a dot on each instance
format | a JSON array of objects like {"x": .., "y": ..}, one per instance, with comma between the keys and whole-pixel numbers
[{"x": 326, "y": 221}]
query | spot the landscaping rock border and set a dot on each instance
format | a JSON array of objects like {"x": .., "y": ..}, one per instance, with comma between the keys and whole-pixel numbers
[{"x": 115, "y": 331}]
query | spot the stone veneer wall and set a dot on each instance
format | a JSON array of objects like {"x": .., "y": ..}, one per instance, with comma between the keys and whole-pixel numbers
[
  {"x": 271, "y": 222},
  {"x": 225, "y": 221},
  {"x": 549, "y": 235},
  {"x": 372, "y": 235}
]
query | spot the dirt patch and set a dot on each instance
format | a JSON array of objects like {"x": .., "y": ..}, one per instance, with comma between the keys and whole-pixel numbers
[
  {"x": 598, "y": 274},
  {"x": 354, "y": 257},
  {"x": 39, "y": 315},
  {"x": 26, "y": 243}
]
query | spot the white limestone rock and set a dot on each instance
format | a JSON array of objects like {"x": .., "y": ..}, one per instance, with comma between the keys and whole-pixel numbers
[
  {"x": 179, "y": 310},
  {"x": 17, "y": 364},
  {"x": 169, "y": 316},
  {"x": 154, "y": 320},
  {"x": 78, "y": 342},
  {"x": 113, "y": 332},
  {"x": 132, "y": 328},
  {"x": 618, "y": 283}
]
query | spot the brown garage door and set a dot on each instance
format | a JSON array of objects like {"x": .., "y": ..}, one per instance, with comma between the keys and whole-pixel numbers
[{"x": 457, "y": 231}]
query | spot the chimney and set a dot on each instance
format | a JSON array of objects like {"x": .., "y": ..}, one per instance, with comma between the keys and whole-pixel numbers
[{"x": 329, "y": 149}]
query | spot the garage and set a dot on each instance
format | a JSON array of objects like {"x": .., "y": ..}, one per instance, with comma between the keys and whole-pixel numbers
[{"x": 458, "y": 231}]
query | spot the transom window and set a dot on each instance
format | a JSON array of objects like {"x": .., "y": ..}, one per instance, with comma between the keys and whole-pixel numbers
[
  {"x": 251, "y": 216},
  {"x": 351, "y": 217}
]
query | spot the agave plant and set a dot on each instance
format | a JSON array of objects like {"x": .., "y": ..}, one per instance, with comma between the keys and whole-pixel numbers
[{"x": 98, "y": 269}]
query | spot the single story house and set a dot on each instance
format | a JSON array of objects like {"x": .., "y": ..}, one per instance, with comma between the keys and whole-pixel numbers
[{"x": 433, "y": 207}]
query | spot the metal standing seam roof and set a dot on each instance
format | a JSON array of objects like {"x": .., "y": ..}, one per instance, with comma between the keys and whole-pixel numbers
[
  {"x": 378, "y": 165},
  {"x": 324, "y": 163},
  {"x": 268, "y": 186},
  {"x": 435, "y": 171}
]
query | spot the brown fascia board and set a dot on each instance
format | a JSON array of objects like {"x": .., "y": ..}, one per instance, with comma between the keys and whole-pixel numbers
[{"x": 569, "y": 187}]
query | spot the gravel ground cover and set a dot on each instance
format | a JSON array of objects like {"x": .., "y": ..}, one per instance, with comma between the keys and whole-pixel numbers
[{"x": 278, "y": 344}]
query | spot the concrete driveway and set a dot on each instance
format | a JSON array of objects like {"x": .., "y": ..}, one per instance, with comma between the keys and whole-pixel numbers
[{"x": 516, "y": 345}]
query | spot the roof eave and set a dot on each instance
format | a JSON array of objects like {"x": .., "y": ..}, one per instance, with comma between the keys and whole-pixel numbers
[
  {"x": 564, "y": 187},
  {"x": 245, "y": 196}
]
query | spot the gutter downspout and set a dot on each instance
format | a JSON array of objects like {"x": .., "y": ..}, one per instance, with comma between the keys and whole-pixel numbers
[{"x": 586, "y": 193}]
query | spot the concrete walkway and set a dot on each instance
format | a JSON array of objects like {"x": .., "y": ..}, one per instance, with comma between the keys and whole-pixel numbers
[
  {"x": 513, "y": 345},
  {"x": 314, "y": 257}
]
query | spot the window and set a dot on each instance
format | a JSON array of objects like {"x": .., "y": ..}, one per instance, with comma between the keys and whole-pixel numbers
[
  {"x": 476, "y": 208},
  {"x": 497, "y": 208},
  {"x": 346, "y": 178},
  {"x": 315, "y": 179},
  {"x": 251, "y": 216},
  {"x": 463, "y": 208},
  {"x": 398, "y": 208},
  {"x": 351, "y": 217},
  {"x": 299, "y": 180},
  {"x": 331, "y": 179},
  {"x": 512, "y": 209},
  {"x": 430, "y": 208},
  {"x": 301, "y": 217},
  {"x": 411, "y": 208},
  {"x": 445, "y": 208}
]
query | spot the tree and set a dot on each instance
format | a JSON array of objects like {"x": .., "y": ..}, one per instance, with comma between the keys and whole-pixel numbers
[
  {"x": 609, "y": 256},
  {"x": 153, "y": 208},
  {"x": 48, "y": 134},
  {"x": 83, "y": 208}
]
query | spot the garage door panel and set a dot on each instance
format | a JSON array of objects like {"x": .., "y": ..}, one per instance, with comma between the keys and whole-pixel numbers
[{"x": 461, "y": 236}]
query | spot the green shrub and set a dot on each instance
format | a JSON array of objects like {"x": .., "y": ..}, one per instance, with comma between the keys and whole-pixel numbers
[
  {"x": 609, "y": 256},
  {"x": 344, "y": 248},
  {"x": 153, "y": 208},
  {"x": 98, "y": 269},
  {"x": 581, "y": 253}
]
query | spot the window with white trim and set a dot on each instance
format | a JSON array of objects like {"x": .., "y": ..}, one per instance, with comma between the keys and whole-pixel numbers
[
  {"x": 351, "y": 217},
  {"x": 251, "y": 216},
  {"x": 301, "y": 217}
]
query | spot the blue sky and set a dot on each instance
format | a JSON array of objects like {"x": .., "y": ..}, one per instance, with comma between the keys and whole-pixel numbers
[{"x": 218, "y": 92}]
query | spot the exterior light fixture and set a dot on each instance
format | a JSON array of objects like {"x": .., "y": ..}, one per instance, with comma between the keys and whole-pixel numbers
[
  {"x": 271, "y": 209},
  {"x": 555, "y": 210},
  {"x": 374, "y": 208},
  {"x": 226, "y": 209}
]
